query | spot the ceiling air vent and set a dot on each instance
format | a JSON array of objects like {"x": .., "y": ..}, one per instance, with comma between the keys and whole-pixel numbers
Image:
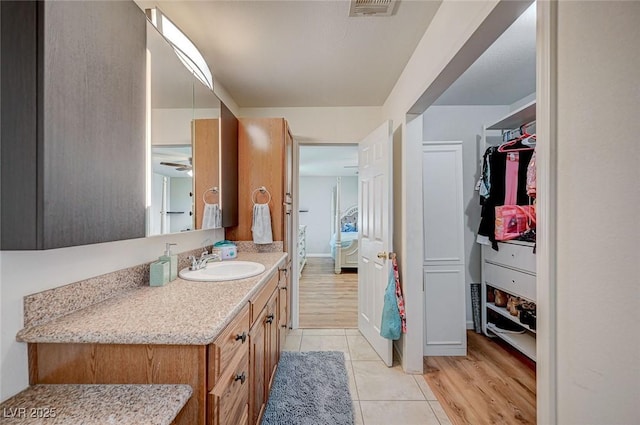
[{"x": 372, "y": 7}]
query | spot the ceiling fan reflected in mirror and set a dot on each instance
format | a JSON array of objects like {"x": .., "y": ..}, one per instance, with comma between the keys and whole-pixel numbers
[
  {"x": 352, "y": 166},
  {"x": 177, "y": 166}
]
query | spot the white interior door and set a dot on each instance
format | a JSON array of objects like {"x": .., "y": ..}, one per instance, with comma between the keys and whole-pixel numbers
[{"x": 374, "y": 181}]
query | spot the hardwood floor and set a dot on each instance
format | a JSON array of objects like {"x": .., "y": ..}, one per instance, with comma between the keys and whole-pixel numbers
[
  {"x": 488, "y": 386},
  {"x": 328, "y": 300}
]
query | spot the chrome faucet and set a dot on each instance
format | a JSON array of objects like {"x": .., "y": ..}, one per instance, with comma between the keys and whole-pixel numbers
[{"x": 205, "y": 257}]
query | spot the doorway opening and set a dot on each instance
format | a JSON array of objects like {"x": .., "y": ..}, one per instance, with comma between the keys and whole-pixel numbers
[
  {"x": 327, "y": 236},
  {"x": 489, "y": 108}
]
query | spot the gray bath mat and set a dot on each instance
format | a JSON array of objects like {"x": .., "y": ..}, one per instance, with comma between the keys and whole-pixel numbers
[{"x": 310, "y": 388}]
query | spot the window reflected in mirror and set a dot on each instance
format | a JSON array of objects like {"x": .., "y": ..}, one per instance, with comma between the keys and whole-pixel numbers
[{"x": 171, "y": 184}]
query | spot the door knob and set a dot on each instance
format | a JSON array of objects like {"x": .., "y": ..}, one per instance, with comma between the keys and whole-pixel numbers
[{"x": 383, "y": 255}]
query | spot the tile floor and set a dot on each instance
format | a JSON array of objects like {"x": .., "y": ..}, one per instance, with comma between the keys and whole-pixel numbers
[{"x": 381, "y": 395}]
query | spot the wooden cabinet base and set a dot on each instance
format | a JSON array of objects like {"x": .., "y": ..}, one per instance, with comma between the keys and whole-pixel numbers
[
  {"x": 125, "y": 364},
  {"x": 230, "y": 378}
]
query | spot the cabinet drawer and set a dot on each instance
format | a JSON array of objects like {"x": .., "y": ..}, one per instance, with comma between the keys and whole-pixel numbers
[
  {"x": 225, "y": 347},
  {"x": 511, "y": 281},
  {"x": 260, "y": 300},
  {"x": 229, "y": 399},
  {"x": 512, "y": 255}
]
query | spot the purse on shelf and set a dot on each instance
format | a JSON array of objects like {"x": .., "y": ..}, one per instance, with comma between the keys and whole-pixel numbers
[{"x": 514, "y": 220}]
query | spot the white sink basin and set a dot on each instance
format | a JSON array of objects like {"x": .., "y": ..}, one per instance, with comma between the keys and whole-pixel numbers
[{"x": 223, "y": 270}]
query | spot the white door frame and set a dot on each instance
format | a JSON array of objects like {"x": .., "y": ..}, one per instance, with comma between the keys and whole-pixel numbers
[
  {"x": 547, "y": 168},
  {"x": 295, "y": 222}
]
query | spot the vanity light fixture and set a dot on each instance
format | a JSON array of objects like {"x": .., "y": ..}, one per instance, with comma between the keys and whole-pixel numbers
[{"x": 187, "y": 52}]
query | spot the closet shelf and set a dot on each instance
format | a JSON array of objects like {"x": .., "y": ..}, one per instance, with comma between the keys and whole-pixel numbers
[
  {"x": 503, "y": 312},
  {"x": 525, "y": 343},
  {"x": 515, "y": 119}
]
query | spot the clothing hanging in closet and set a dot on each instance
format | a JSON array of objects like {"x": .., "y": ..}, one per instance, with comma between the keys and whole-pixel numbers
[{"x": 503, "y": 182}]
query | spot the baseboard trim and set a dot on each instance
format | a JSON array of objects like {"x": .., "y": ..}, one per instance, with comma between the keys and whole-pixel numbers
[
  {"x": 445, "y": 351},
  {"x": 318, "y": 255}
]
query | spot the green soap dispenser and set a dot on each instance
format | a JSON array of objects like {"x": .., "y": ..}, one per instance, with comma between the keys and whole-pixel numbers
[{"x": 173, "y": 261}]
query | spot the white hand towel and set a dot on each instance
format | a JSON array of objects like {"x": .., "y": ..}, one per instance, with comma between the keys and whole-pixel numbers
[
  {"x": 261, "y": 227},
  {"x": 211, "y": 216}
]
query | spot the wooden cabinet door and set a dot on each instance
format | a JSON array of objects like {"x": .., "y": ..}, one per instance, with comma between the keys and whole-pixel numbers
[
  {"x": 257, "y": 357},
  {"x": 260, "y": 163},
  {"x": 283, "y": 306},
  {"x": 272, "y": 339},
  {"x": 206, "y": 162}
]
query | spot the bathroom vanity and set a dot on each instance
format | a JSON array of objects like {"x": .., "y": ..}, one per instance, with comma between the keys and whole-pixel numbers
[{"x": 221, "y": 338}]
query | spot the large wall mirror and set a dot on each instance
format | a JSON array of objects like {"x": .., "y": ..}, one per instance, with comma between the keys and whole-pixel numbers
[{"x": 185, "y": 186}]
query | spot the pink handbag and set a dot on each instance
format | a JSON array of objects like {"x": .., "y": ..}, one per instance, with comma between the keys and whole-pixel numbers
[{"x": 513, "y": 220}]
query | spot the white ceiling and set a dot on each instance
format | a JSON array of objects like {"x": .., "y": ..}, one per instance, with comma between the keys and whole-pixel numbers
[
  {"x": 301, "y": 53},
  {"x": 310, "y": 53},
  {"x": 334, "y": 160},
  {"x": 505, "y": 73}
]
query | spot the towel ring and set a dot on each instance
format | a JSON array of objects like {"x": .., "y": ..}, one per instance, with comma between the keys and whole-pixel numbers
[
  {"x": 204, "y": 194},
  {"x": 262, "y": 190}
]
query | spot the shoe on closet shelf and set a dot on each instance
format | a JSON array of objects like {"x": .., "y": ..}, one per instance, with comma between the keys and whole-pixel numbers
[
  {"x": 513, "y": 305},
  {"x": 501, "y": 298},
  {"x": 528, "y": 314},
  {"x": 505, "y": 328}
]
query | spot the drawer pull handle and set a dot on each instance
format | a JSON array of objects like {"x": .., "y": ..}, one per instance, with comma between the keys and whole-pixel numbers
[
  {"x": 240, "y": 377},
  {"x": 242, "y": 336},
  {"x": 283, "y": 287},
  {"x": 283, "y": 326},
  {"x": 270, "y": 318}
]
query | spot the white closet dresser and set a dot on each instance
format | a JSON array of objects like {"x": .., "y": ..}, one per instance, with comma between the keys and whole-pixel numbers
[
  {"x": 302, "y": 247},
  {"x": 511, "y": 269}
]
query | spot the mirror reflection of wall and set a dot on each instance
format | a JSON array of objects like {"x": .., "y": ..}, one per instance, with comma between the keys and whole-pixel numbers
[{"x": 177, "y": 98}]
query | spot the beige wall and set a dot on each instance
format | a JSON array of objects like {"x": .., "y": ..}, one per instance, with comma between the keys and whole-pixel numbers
[{"x": 598, "y": 200}]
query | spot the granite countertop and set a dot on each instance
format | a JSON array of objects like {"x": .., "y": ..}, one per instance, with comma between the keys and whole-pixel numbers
[
  {"x": 96, "y": 404},
  {"x": 180, "y": 313}
]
